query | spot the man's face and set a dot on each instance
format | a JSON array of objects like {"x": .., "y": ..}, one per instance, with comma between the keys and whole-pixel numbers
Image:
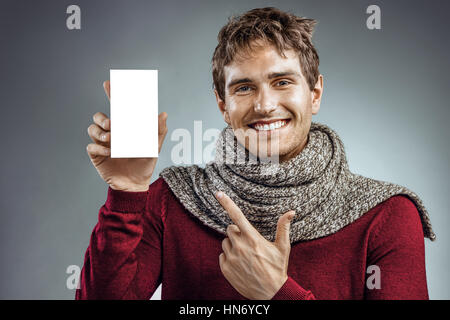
[{"x": 267, "y": 97}]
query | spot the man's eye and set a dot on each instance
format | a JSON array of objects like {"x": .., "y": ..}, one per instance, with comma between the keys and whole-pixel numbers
[
  {"x": 243, "y": 87},
  {"x": 283, "y": 81}
]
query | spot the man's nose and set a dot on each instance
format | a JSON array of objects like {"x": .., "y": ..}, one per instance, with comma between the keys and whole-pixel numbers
[{"x": 264, "y": 104}]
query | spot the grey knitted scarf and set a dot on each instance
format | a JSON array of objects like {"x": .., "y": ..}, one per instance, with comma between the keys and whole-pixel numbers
[{"x": 316, "y": 183}]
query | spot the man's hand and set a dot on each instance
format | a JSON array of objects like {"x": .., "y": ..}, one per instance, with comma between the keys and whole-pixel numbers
[
  {"x": 126, "y": 174},
  {"x": 255, "y": 267}
]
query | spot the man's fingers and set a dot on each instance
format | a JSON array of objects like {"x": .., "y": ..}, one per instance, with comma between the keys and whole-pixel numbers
[
  {"x": 162, "y": 129},
  {"x": 233, "y": 233},
  {"x": 222, "y": 261},
  {"x": 226, "y": 245},
  {"x": 233, "y": 230},
  {"x": 283, "y": 226},
  {"x": 95, "y": 150},
  {"x": 107, "y": 88},
  {"x": 234, "y": 212},
  {"x": 102, "y": 121},
  {"x": 162, "y": 123},
  {"x": 98, "y": 135}
]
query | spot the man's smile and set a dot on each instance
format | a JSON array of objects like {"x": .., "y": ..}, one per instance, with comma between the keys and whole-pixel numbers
[{"x": 269, "y": 125}]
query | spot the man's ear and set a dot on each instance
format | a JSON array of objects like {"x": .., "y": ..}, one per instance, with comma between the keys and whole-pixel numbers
[
  {"x": 316, "y": 95},
  {"x": 222, "y": 107}
]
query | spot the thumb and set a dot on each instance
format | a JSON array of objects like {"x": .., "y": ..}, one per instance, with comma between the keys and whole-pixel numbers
[
  {"x": 107, "y": 88},
  {"x": 282, "y": 240},
  {"x": 162, "y": 123},
  {"x": 162, "y": 129}
]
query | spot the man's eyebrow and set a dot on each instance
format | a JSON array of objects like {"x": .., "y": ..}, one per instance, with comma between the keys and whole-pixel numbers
[
  {"x": 269, "y": 76},
  {"x": 282, "y": 74},
  {"x": 238, "y": 81}
]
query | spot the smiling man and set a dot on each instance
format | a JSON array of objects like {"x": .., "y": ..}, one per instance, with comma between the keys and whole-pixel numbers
[
  {"x": 269, "y": 93},
  {"x": 276, "y": 215}
]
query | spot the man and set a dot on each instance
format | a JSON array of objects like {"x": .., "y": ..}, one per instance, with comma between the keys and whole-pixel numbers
[{"x": 301, "y": 227}]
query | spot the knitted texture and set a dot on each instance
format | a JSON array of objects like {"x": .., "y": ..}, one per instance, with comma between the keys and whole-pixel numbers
[{"x": 316, "y": 183}]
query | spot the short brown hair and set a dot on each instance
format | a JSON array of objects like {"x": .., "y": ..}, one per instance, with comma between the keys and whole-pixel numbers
[{"x": 282, "y": 29}]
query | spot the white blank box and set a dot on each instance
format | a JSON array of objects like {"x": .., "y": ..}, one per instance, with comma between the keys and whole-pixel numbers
[{"x": 134, "y": 113}]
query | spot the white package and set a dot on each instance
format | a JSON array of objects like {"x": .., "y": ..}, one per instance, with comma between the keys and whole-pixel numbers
[{"x": 134, "y": 113}]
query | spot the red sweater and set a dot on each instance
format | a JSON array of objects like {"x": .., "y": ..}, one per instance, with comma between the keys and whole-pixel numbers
[{"x": 145, "y": 238}]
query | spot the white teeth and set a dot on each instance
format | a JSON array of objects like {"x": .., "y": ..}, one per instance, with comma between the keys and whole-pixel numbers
[{"x": 272, "y": 126}]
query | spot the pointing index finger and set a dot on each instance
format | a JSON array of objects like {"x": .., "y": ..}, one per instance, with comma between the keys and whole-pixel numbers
[{"x": 234, "y": 212}]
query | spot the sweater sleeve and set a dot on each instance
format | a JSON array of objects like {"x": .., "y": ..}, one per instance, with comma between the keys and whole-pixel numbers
[
  {"x": 396, "y": 257},
  {"x": 291, "y": 290},
  {"x": 123, "y": 259}
]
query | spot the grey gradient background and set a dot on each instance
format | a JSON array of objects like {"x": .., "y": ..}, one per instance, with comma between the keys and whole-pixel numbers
[{"x": 385, "y": 94}]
